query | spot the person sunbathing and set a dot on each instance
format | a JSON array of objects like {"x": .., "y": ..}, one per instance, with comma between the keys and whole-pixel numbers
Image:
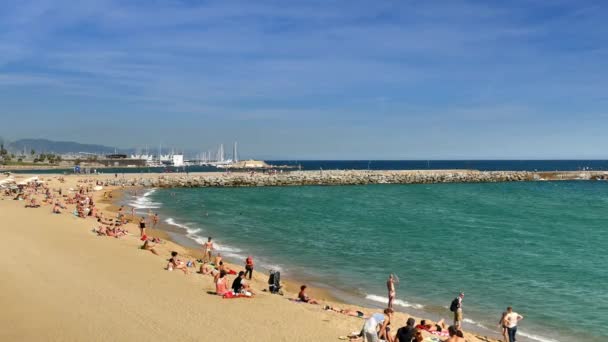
[
  {"x": 221, "y": 286},
  {"x": 440, "y": 326},
  {"x": 56, "y": 209},
  {"x": 33, "y": 204},
  {"x": 175, "y": 263},
  {"x": 147, "y": 246},
  {"x": 205, "y": 268},
  {"x": 302, "y": 296},
  {"x": 347, "y": 312}
]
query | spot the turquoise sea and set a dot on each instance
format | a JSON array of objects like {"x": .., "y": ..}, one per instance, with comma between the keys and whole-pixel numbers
[{"x": 540, "y": 247}]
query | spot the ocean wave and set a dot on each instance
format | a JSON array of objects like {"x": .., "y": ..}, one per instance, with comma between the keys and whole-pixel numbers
[
  {"x": 399, "y": 302},
  {"x": 143, "y": 202},
  {"x": 191, "y": 233},
  {"x": 536, "y": 337},
  {"x": 519, "y": 332},
  {"x": 470, "y": 321}
]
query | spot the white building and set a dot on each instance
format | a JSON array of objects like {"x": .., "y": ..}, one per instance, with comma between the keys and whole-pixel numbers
[{"x": 178, "y": 160}]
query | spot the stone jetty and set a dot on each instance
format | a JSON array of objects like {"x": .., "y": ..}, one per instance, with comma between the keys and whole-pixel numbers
[{"x": 356, "y": 177}]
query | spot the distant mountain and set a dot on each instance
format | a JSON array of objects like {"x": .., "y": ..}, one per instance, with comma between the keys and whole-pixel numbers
[{"x": 48, "y": 146}]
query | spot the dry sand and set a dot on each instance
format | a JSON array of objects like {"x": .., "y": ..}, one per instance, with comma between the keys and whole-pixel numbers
[{"x": 61, "y": 282}]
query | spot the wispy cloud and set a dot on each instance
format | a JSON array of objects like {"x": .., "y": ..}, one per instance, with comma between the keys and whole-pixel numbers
[{"x": 356, "y": 62}]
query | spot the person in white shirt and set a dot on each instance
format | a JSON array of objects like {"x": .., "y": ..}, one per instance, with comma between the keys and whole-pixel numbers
[{"x": 510, "y": 321}]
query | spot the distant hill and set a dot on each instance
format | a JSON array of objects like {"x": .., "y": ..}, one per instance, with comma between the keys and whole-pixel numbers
[{"x": 49, "y": 146}]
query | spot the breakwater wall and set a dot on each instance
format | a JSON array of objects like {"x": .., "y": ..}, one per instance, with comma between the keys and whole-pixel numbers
[{"x": 347, "y": 178}]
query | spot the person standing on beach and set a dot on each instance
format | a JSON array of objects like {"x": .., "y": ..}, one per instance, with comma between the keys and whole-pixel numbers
[
  {"x": 207, "y": 248},
  {"x": 154, "y": 220},
  {"x": 456, "y": 308},
  {"x": 503, "y": 326},
  {"x": 249, "y": 266},
  {"x": 511, "y": 319},
  {"x": 142, "y": 226},
  {"x": 390, "y": 286}
]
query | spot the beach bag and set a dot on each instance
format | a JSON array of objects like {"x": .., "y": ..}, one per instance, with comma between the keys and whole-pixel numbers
[{"x": 454, "y": 305}]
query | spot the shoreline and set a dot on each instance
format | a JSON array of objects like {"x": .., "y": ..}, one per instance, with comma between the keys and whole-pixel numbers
[
  {"x": 260, "y": 280},
  {"x": 325, "y": 291}
]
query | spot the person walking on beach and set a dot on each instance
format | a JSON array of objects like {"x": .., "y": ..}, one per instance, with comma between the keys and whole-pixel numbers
[
  {"x": 249, "y": 266},
  {"x": 511, "y": 319},
  {"x": 503, "y": 326},
  {"x": 390, "y": 286},
  {"x": 142, "y": 226},
  {"x": 207, "y": 248},
  {"x": 456, "y": 308}
]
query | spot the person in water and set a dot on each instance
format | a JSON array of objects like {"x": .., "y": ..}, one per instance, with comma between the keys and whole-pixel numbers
[{"x": 302, "y": 296}]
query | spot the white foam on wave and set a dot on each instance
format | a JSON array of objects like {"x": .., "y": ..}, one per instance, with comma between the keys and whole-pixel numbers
[
  {"x": 536, "y": 337},
  {"x": 191, "y": 232},
  {"x": 519, "y": 332},
  {"x": 143, "y": 202},
  {"x": 399, "y": 302}
]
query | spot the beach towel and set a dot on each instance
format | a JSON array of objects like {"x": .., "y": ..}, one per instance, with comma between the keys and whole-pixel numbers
[{"x": 232, "y": 295}]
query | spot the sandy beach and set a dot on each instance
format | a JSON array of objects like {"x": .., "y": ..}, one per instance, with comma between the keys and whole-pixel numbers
[{"x": 62, "y": 282}]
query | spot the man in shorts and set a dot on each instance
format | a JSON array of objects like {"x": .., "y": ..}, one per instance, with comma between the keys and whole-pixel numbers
[{"x": 458, "y": 312}]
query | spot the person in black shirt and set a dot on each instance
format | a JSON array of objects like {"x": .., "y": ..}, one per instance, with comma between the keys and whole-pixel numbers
[
  {"x": 237, "y": 284},
  {"x": 406, "y": 333}
]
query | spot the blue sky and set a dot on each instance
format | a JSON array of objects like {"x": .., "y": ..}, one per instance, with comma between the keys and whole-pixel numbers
[{"x": 311, "y": 79}]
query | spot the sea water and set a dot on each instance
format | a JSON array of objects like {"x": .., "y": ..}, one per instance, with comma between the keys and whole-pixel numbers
[{"x": 537, "y": 246}]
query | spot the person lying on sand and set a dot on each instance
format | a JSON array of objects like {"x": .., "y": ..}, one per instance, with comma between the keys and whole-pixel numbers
[
  {"x": 205, "y": 268},
  {"x": 427, "y": 326},
  {"x": 302, "y": 296},
  {"x": 33, "y": 204},
  {"x": 175, "y": 263},
  {"x": 347, "y": 312},
  {"x": 147, "y": 246}
]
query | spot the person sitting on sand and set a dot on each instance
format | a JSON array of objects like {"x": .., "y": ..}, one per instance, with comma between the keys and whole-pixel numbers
[
  {"x": 347, "y": 312},
  {"x": 240, "y": 286},
  {"x": 453, "y": 332},
  {"x": 302, "y": 296},
  {"x": 221, "y": 286},
  {"x": 147, "y": 246},
  {"x": 175, "y": 263},
  {"x": 375, "y": 327},
  {"x": 56, "y": 209},
  {"x": 218, "y": 259},
  {"x": 407, "y": 332}
]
